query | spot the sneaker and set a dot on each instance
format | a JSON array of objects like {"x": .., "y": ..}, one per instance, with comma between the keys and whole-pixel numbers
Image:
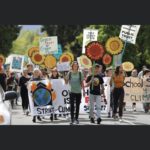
[
  {"x": 39, "y": 118},
  {"x": 92, "y": 120},
  {"x": 51, "y": 117},
  {"x": 27, "y": 112},
  {"x": 109, "y": 116},
  {"x": 34, "y": 119},
  {"x": 120, "y": 119},
  {"x": 72, "y": 122},
  {"x": 99, "y": 120},
  {"x": 77, "y": 121}
]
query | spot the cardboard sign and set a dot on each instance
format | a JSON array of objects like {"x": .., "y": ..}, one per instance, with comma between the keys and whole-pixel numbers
[
  {"x": 17, "y": 62},
  {"x": 129, "y": 33},
  {"x": 59, "y": 53},
  {"x": 88, "y": 36},
  {"x": 49, "y": 45},
  {"x": 137, "y": 90}
]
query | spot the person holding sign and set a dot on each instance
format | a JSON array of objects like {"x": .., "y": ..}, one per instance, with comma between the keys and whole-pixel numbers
[
  {"x": 95, "y": 93},
  {"x": 118, "y": 91},
  {"x": 75, "y": 79},
  {"x": 36, "y": 77}
]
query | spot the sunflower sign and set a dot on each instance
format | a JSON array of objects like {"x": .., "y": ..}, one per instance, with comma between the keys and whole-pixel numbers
[
  {"x": 114, "y": 46},
  {"x": 88, "y": 36}
]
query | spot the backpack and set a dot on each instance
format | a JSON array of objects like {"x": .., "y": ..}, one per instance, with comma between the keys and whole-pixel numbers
[{"x": 79, "y": 76}]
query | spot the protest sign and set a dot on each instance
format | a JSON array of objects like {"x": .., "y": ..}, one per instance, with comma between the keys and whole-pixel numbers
[
  {"x": 129, "y": 33},
  {"x": 64, "y": 66},
  {"x": 49, "y": 45},
  {"x": 59, "y": 53},
  {"x": 137, "y": 90},
  {"x": 88, "y": 36},
  {"x": 17, "y": 62},
  {"x": 84, "y": 108},
  {"x": 41, "y": 96}
]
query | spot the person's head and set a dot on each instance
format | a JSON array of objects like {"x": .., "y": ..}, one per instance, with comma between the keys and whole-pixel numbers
[
  {"x": 119, "y": 69},
  {"x": 25, "y": 72},
  {"x": 97, "y": 69},
  {"x": 12, "y": 74},
  {"x": 30, "y": 67},
  {"x": 144, "y": 68},
  {"x": 108, "y": 72},
  {"x": 36, "y": 73},
  {"x": 55, "y": 72},
  {"x": 134, "y": 73},
  {"x": 75, "y": 66},
  {"x": 146, "y": 73}
]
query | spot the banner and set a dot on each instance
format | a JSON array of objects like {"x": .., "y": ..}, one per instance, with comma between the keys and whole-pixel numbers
[
  {"x": 46, "y": 97},
  {"x": 88, "y": 36},
  {"x": 17, "y": 62},
  {"x": 41, "y": 96},
  {"x": 49, "y": 45},
  {"x": 129, "y": 33},
  {"x": 84, "y": 108},
  {"x": 64, "y": 66},
  {"x": 137, "y": 90}
]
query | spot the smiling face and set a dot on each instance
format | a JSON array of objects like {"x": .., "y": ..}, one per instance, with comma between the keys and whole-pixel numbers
[{"x": 75, "y": 67}]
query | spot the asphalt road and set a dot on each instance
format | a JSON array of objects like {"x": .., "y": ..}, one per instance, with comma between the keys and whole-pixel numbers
[{"x": 130, "y": 118}]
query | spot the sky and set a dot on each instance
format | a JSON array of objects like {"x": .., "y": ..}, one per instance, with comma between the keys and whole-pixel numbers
[{"x": 31, "y": 27}]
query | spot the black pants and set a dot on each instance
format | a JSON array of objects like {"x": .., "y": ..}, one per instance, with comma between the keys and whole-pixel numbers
[
  {"x": 74, "y": 97},
  {"x": 25, "y": 100},
  {"x": 118, "y": 98}
]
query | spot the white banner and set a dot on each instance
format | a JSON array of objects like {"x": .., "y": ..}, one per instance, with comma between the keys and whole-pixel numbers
[
  {"x": 129, "y": 33},
  {"x": 49, "y": 45},
  {"x": 41, "y": 102},
  {"x": 16, "y": 64},
  {"x": 89, "y": 35},
  {"x": 64, "y": 66},
  {"x": 84, "y": 108}
]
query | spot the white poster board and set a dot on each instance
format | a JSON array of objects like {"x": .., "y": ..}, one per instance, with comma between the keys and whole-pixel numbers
[
  {"x": 64, "y": 66},
  {"x": 129, "y": 33},
  {"x": 16, "y": 63},
  {"x": 49, "y": 45},
  {"x": 89, "y": 35}
]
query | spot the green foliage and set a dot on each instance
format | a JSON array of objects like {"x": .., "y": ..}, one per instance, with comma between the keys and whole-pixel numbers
[
  {"x": 8, "y": 33},
  {"x": 26, "y": 40}
]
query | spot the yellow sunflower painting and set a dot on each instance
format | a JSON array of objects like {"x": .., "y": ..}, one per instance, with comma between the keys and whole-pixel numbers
[
  {"x": 37, "y": 58},
  {"x": 114, "y": 45},
  {"x": 128, "y": 66},
  {"x": 50, "y": 61}
]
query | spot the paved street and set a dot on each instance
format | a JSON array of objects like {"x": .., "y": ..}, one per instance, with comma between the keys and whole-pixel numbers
[{"x": 130, "y": 118}]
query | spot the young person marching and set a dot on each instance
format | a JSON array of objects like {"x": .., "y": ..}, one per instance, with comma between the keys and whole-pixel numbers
[
  {"x": 36, "y": 77},
  {"x": 75, "y": 79},
  {"x": 95, "y": 93},
  {"x": 118, "y": 91}
]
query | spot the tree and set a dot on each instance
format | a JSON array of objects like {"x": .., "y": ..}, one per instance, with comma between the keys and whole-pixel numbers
[
  {"x": 8, "y": 33},
  {"x": 26, "y": 40},
  {"x": 66, "y": 35}
]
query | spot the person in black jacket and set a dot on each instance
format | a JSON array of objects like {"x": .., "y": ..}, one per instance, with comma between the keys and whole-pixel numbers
[{"x": 24, "y": 91}]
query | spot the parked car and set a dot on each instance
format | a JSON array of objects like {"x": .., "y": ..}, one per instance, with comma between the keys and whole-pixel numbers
[{"x": 5, "y": 106}]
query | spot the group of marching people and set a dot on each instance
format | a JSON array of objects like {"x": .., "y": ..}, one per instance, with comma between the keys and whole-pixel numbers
[{"x": 77, "y": 80}]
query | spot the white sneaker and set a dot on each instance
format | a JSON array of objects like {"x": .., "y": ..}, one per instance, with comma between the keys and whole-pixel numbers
[{"x": 120, "y": 119}]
